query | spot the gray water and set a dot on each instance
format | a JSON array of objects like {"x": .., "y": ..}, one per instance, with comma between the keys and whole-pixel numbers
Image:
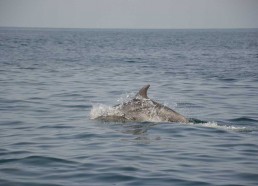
[{"x": 53, "y": 81}]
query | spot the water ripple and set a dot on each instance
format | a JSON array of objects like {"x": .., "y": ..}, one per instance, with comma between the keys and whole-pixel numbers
[{"x": 50, "y": 78}]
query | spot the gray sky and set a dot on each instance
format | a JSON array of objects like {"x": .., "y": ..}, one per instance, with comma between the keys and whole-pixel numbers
[{"x": 130, "y": 13}]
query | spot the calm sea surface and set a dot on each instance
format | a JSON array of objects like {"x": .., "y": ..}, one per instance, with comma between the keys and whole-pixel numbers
[{"x": 50, "y": 80}]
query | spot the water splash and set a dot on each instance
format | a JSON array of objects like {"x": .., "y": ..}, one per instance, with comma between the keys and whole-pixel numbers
[
  {"x": 101, "y": 110},
  {"x": 126, "y": 97}
]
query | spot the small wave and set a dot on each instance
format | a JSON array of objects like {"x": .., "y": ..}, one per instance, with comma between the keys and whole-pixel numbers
[
  {"x": 242, "y": 119},
  {"x": 228, "y": 79},
  {"x": 131, "y": 61},
  {"x": 38, "y": 160},
  {"x": 214, "y": 124}
]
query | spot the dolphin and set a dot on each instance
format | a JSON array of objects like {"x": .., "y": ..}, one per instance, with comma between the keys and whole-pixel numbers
[{"x": 142, "y": 109}]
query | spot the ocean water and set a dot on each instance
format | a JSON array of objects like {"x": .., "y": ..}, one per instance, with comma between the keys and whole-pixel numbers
[{"x": 52, "y": 81}]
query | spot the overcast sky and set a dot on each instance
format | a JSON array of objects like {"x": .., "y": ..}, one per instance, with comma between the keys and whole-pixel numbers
[{"x": 129, "y": 13}]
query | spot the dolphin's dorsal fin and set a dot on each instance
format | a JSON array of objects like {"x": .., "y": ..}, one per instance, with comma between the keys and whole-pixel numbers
[{"x": 143, "y": 92}]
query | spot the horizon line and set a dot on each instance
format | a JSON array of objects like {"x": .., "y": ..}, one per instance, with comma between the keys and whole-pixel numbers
[{"x": 124, "y": 28}]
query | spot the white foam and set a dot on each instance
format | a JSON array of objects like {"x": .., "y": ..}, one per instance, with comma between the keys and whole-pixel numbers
[{"x": 214, "y": 124}]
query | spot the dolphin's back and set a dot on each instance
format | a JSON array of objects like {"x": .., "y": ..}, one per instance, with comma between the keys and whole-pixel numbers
[
  {"x": 168, "y": 114},
  {"x": 141, "y": 109},
  {"x": 149, "y": 110}
]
